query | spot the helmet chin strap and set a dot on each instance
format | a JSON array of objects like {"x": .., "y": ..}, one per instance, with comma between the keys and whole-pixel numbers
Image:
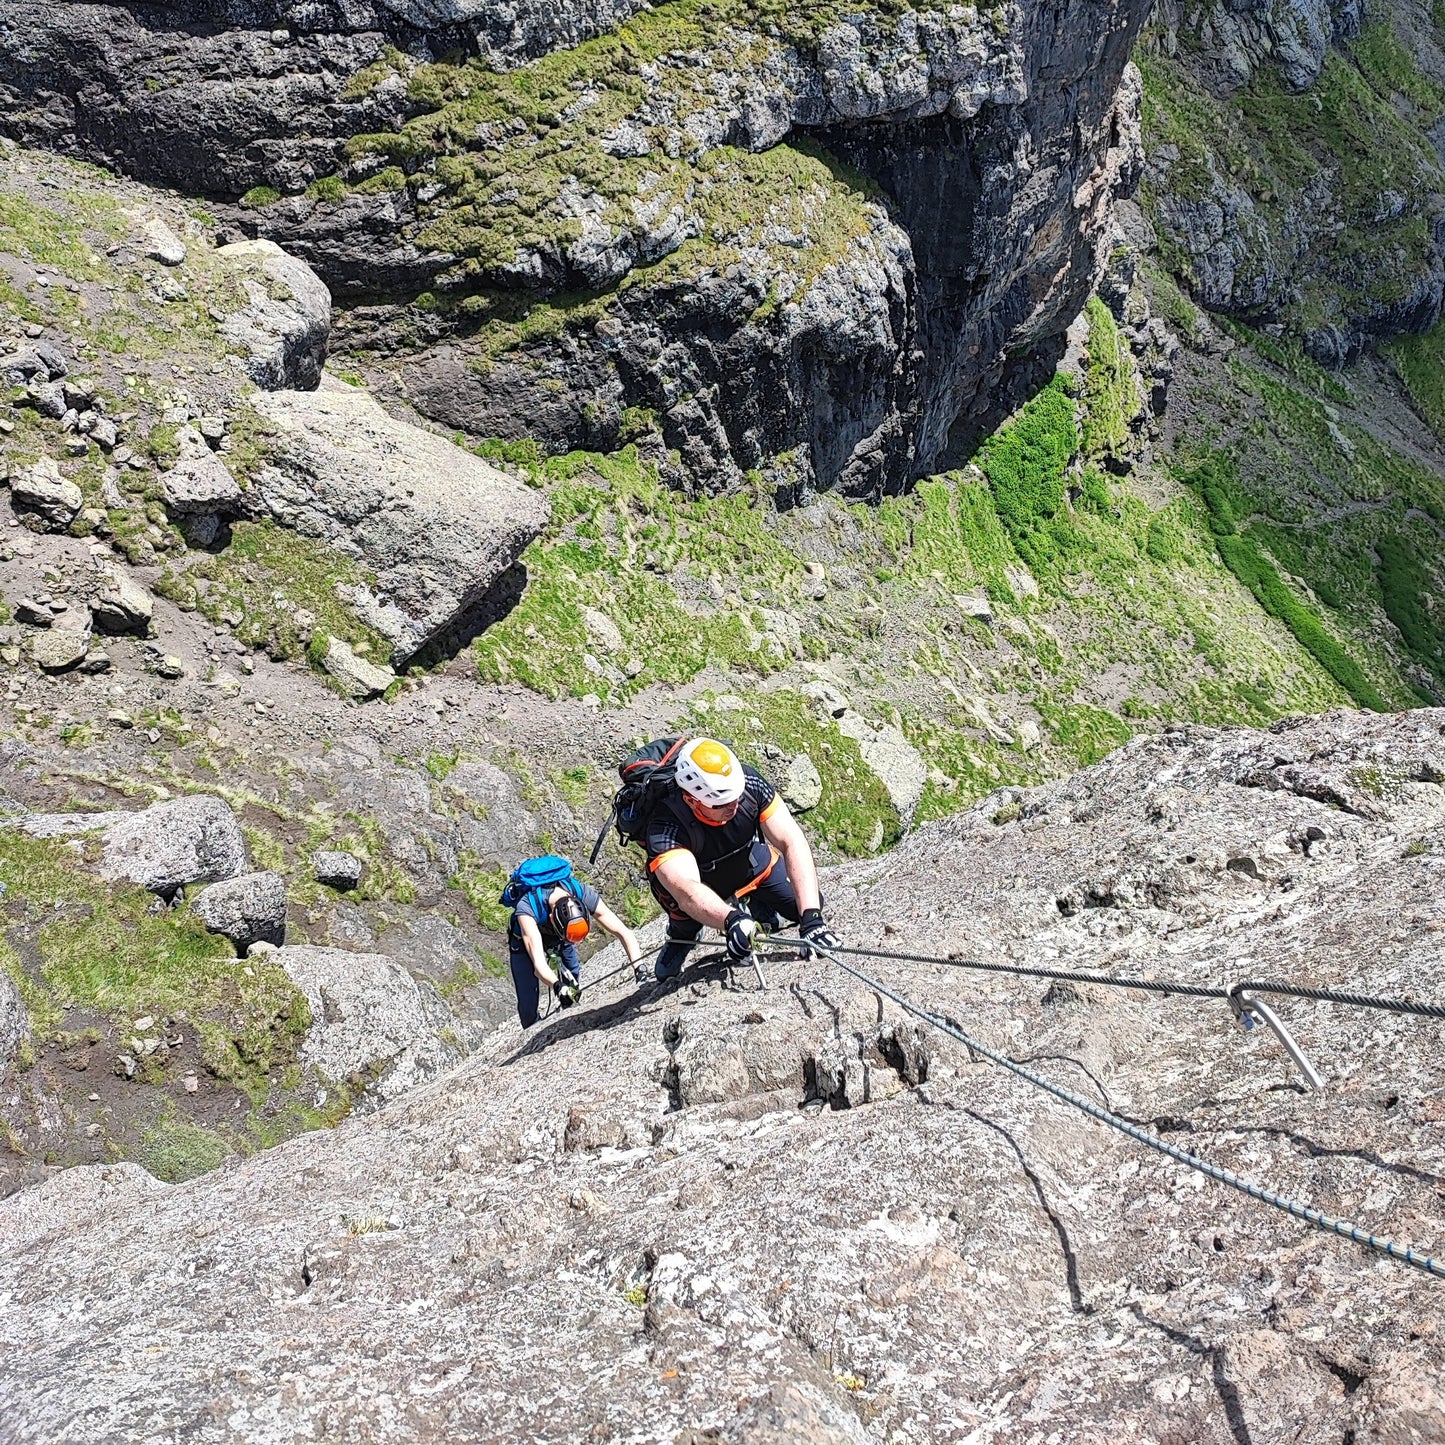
[{"x": 702, "y": 817}]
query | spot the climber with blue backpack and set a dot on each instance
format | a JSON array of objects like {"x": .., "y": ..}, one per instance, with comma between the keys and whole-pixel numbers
[{"x": 552, "y": 911}]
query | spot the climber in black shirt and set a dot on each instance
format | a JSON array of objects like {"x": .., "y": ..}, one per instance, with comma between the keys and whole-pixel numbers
[{"x": 720, "y": 835}]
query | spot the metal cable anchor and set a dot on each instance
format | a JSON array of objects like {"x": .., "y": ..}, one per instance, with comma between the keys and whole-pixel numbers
[{"x": 1247, "y": 1009}]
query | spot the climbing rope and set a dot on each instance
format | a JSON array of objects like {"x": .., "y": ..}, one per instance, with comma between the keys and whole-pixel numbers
[{"x": 1406, "y": 1254}]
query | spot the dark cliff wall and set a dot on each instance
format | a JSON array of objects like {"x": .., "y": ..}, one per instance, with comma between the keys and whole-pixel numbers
[
  {"x": 1295, "y": 164},
  {"x": 819, "y": 245}
]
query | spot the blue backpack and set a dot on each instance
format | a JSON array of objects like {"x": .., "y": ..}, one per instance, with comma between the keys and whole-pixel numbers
[{"x": 538, "y": 877}]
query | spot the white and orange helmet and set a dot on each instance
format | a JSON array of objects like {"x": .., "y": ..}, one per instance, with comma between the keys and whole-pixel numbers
[{"x": 710, "y": 773}]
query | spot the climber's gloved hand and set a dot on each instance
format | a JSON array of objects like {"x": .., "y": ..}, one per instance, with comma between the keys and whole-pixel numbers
[
  {"x": 741, "y": 931},
  {"x": 815, "y": 931},
  {"x": 565, "y": 989}
]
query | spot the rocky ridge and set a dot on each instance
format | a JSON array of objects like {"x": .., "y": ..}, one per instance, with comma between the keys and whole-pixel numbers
[{"x": 639, "y": 1180}]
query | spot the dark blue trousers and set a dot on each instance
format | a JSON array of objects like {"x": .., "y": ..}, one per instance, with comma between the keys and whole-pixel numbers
[{"x": 526, "y": 982}]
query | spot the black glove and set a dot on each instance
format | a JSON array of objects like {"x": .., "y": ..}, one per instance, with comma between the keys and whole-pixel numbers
[
  {"x": 740, "y": 930},
  {"x": 815, "y": 931},
  {"x": 565, "y": 989}
]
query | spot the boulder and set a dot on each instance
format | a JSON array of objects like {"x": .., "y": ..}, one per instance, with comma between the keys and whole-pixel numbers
[
  {"x": 41, "y": 491},
  {"x": 335, "y": 869},
  {"x": 434, "y": 525},
  {"x": 161, "y": 243},
  {"x": 284, "y": 328},
  {"x": 200, "y": 485},
  {"x": 369, "y": 1015},
  {"x": 170, "y": 844},
  {"x": 247, "y": 909},
  {"x": 602, "y": 631},
  {"x": 33, "y": 613},
  {"x": 358, "y": 677},
  {"x": 59, "y": 648},
  {"x": 975, "y": 605},
  {"x": 14, "y": 1019},
  {"x": 887, "y": 753},
  {"x": 801, "y": 785},
  {"x": 121, "y": 605}
]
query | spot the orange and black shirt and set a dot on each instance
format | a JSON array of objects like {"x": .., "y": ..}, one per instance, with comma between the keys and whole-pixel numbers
[{"x": 721, "y": 849}]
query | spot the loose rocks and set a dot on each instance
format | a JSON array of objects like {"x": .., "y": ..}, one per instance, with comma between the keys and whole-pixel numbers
[
  {"x": 200, "y": 485},
  {"x": 41, "y": 493},
  {"x": 58, "y": 649},
  {"x": 335, "y": 869},
  {"x": 358, "y": 677},
  {"x": 121, "y": 605},
  {"x": 162, "y": 244},
  {"x": 14, "y": 1020},
  {"x": 801, "y": 786},
  {"x": 248, "y": 909}
]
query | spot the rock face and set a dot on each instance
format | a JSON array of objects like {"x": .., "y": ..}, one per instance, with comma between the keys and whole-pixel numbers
[
  {"x": 369, "y": 1015},
  {"x": 765, "y": 1216},
  {"x": 845, "y": 317},
  {"x": 435, "y": 525},
  {"x": 166, "y": 846},
  {"x": 255, "y": 93},
  {"x": 247, "y": 909},
  {"x": 1341, "y": 234}
]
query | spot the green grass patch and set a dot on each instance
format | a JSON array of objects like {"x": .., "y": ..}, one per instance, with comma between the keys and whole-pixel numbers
[
  {"x": 102, "y": 948},
  {"x": 1218, "y": 485},
  {"x": 615, "y": 534},
  {"x": 855, "y": 815},
  {"x": 1420, "y": 364},
  {"x": 269, "y": 573}
]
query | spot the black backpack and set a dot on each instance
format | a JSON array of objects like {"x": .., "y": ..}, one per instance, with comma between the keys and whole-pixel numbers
[{"x": 646, "y": 774}]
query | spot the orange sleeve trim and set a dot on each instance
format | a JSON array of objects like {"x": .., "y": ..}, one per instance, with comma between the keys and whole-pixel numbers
[
  {"x": 772, "y": 808},
  {"x": 655, "y": 863}
]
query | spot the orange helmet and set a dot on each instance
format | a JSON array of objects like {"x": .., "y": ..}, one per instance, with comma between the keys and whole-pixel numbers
[{"x": 568, "y": 919}]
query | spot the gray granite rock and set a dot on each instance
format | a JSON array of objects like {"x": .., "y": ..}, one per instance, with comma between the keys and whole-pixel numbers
[
  {"x": 336, "y": 869},
  {"x": 120, "y": 604},
  {"x": 357, "y": 677},
  {"x": 41, "y": 490},
  {"x": 247, "y": 909},
  {"x": 14, "y": 1019},
  {"x": 801, "y": 1198},
  {"x": 168, "y": 845},
  {"x": 284, "y": 328},
  {"x": 59, "y": 648},
  {"x": 434, "y": 525},
  {"x": 369, "y": 1016}
]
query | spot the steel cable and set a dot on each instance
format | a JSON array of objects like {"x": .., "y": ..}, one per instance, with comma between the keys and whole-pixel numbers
[
  {"x": 1405, "y": 1254},
  {"x": 1318, "y": 1219},
  {"x": 1152, "y": 985}
]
